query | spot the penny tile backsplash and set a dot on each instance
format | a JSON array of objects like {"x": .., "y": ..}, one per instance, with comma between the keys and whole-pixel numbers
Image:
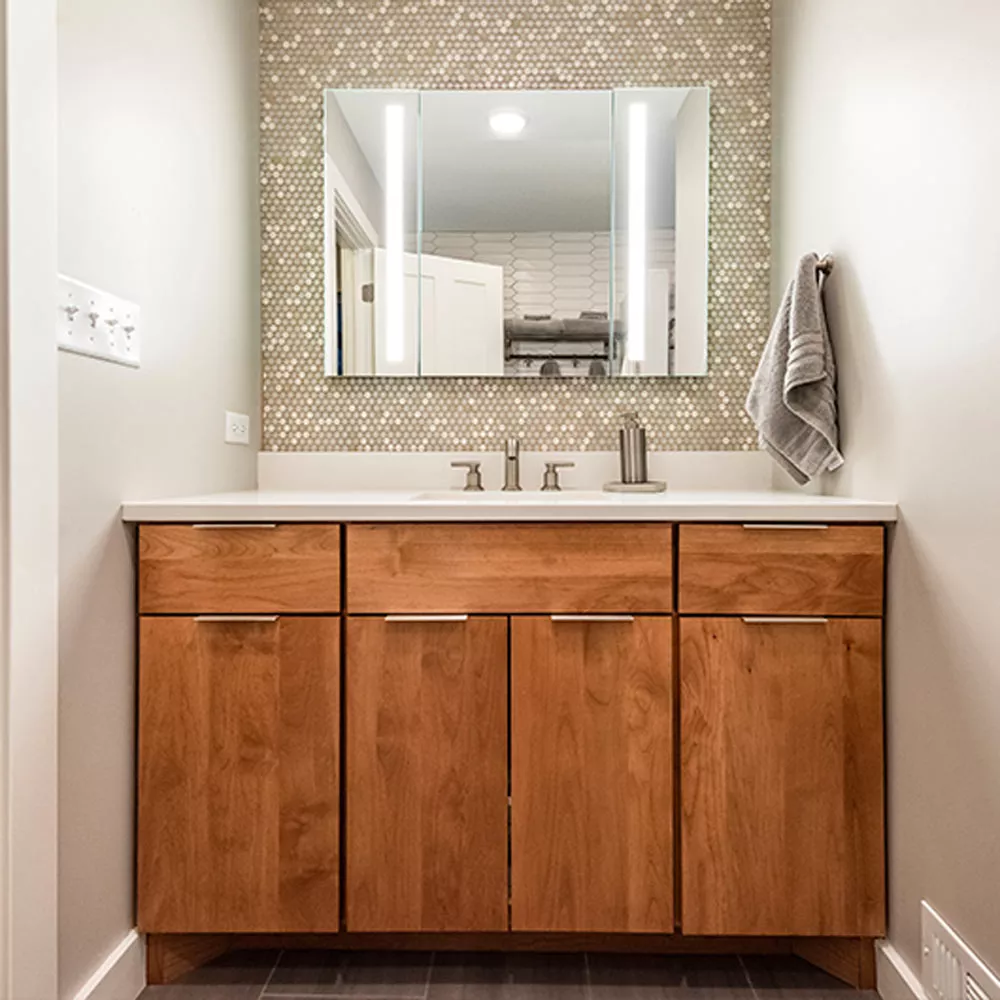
[{"x": 516, "y": 44}]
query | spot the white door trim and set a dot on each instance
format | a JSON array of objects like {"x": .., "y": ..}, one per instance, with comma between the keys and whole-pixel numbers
[{"x": 29, "y": 529}]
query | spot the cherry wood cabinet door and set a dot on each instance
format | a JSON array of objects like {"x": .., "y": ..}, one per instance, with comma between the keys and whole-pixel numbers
[
  {"x": 592, "y": 774},
  {"x": 238, "y": 775},
  {"x": 426, "y": 774},
  {"x": 782, "y": 777}
]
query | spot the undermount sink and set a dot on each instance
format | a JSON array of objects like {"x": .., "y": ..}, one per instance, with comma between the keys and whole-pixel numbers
[{"x": 523, "y": 497}]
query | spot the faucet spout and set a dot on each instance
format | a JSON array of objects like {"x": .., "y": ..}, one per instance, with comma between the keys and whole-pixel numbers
[{"x": 512, "y": 466}]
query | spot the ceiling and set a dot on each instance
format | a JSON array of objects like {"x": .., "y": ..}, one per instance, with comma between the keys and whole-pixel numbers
[{"x": 556, "y": 175}]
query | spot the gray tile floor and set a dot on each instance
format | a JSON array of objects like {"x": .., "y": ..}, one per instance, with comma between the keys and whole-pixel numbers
[{"x": 295, "y": 975}]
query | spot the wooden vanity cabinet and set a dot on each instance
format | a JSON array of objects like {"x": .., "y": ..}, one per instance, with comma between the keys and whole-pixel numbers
[
  {"x": 426, "y": 774},
  {"x": 781, "y": 771},
  {"x": 592, "y": 764},
  {"x": 535, "y": 717}
]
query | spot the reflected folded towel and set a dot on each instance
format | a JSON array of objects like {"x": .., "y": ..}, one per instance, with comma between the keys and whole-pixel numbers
[{"x": 793, "y": 398}]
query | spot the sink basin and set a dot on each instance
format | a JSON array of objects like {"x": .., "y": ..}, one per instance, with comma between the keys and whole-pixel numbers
[{"x": 524, "y": 497}]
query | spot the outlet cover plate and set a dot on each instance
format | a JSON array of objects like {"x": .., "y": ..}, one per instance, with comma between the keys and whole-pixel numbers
[
  {"x": 97, "y": 324},
  {"x": 237, "y": 428}
]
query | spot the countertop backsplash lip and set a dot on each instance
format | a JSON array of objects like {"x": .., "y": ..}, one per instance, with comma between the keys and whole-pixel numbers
[
  {"x": 307, "y": 48},
  {"x": 431, "y": 470}
]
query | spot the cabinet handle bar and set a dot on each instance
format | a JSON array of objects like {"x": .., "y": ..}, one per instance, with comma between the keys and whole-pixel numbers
[
  {"x": 592, "y": 618},
  {"x": 411, "y": 619},
  {"x": 225, "y": 619},
  {"x": 786, "y": 621},
  {"x": 231, "y": 526},
  {"x": 786, "y": 527}
]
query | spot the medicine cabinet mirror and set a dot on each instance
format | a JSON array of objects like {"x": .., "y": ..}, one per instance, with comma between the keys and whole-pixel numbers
[{"x": 522, "y": 234}]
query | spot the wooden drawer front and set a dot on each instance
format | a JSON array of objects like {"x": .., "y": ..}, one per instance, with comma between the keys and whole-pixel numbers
[
  {"x": 781, "y": 777},
  {"x": 757, "y": 570},
  {"x": 239, "y": 570},
  {"x": 239, "y": 752},
  {"x": 426, "y": 732},
  {"x": 508, "y": 568},
  {"x": 592, "y": 773}
]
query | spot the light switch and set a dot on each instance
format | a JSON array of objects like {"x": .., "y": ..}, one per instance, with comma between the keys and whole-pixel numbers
[
  {"x": 237, "y": 428},
  {"x": 97, "y": 324}
]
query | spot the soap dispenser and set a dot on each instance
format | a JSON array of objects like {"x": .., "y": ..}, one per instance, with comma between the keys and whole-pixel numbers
[
  {"x": 633, "y": 459},
  {"x": 632, "y": 450}
]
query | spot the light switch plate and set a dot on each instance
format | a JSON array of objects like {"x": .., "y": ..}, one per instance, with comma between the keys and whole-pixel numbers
[
  {"x": 97, "y": 324},
  {"x": 237, "y": 428}
]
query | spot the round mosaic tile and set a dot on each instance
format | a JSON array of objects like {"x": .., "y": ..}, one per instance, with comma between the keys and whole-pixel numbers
[{"x": 307, "y": 47}]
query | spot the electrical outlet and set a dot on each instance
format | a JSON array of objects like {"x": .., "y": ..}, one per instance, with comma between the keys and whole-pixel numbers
[
  {"x": 237, "y": 428},
  {"x": 97, "y": 324}
]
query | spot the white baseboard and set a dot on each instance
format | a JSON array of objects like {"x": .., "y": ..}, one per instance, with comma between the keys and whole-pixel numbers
[
  {"x": 122, "y": 975},
  {"x": 896, "y": 980}
]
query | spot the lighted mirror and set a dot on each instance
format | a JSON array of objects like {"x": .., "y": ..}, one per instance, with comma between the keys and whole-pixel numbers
[{"x": 522, "y": 234}]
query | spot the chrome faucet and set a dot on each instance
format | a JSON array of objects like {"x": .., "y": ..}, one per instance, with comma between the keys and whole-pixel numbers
[{"x": 512, "y": 466}]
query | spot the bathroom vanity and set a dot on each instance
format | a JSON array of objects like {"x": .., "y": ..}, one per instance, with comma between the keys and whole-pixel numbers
[{"x": 623, "y": 723}]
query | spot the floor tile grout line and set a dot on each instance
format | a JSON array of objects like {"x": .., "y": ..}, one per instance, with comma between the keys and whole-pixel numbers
[
  {"x": 746, "y": 976},
  {"x": 340, "y": 995},
  {"x": 270, "y": 975},
  {"x": 430, "y": 975}
]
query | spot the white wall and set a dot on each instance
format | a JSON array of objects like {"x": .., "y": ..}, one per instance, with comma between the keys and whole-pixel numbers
[
  {"x": 28, "y": 544},
  {"x": 887, "y": 146},
  {"x": 691, "y": 356},
  {"x": 352, "y": 165},
  {"x": 157, "y": 203}
]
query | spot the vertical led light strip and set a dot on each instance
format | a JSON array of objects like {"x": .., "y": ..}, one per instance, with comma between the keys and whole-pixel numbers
[
  {"x": 638, "y": 127},
  {"x": 395, "y": 290}
]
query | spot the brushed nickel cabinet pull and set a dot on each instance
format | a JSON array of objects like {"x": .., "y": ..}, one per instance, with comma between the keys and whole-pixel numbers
[
  {"x": 230, "y": 526},
  {"x": 593, "y": 618},
  {"x": 786, "y": 621},
  {"x": 418, "y": 619},
  {"x": 786, "y": 527},
  {"x": 226, "y": 619}
]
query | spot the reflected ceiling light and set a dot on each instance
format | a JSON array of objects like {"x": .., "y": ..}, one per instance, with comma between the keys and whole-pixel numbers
[
  {"x": 638, "y": 127},
  {"x": 507, "y": 123},
  {"x": 395, "y": 124}
]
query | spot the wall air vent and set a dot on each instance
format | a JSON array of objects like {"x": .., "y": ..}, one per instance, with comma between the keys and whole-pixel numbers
[{"x": 950, "y": 969}]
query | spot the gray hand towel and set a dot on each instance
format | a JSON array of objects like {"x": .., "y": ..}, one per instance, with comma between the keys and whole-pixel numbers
[{"x": 793, "y": 398}]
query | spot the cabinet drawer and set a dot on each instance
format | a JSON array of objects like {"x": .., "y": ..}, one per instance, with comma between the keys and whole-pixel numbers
[
  {"x": 508, "y": 568},
  {"x": 766, "y": 570},
  {"x": 239, "y": 569}
]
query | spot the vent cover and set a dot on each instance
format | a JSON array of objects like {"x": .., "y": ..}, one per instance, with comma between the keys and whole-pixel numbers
[
  {"x": 950, "y": 969},
  {"x": 973, "y": 991}
]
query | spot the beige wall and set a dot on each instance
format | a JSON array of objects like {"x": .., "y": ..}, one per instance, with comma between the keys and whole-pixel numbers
[
  {"x": 157, "y": 203},
  {"x": 887, "y": 145}
]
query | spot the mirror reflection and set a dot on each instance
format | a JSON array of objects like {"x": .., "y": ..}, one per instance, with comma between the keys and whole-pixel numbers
[{"x": 547, "y": 234}]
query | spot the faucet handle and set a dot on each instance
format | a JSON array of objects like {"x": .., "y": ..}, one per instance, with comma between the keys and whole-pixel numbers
[
  {"x": 550, "y": 481},
  {"x": 473, "y": 477}
]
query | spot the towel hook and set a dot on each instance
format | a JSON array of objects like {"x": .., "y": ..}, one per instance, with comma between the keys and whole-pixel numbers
[{"x": 825, "y": 266}]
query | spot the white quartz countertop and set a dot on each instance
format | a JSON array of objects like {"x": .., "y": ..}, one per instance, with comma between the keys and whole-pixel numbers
[{"x": 570, "y": 505}]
